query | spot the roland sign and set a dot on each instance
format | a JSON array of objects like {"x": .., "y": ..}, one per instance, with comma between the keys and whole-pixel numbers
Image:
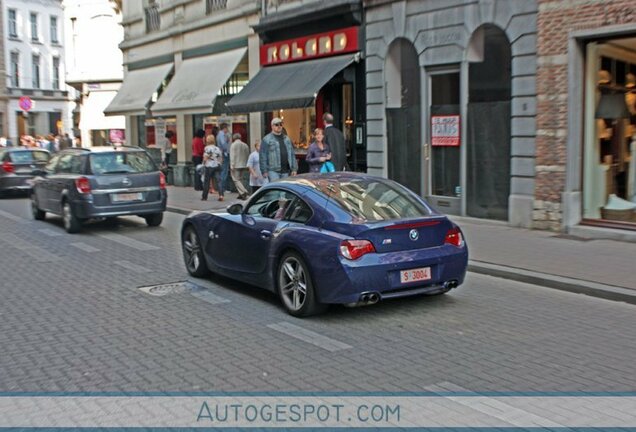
[{"x": 307, "y": 47}]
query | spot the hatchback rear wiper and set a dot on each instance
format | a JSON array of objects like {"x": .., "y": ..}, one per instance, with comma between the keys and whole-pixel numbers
[{"x": 116, "y": 172}]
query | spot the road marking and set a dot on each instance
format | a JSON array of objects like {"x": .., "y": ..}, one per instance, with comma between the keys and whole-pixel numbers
[
  {"x": 35, "y": 252},
  {"x": 50, "y": 232},
  {"x": 493, "y": 407},
  {"x": 127, "y": 241},
  {"x": 133, "y": 267},
  {"x": 309, "y": 336},
  {"x": 12, "y": 217},
  {"x": 207, "y": 296},
  {"x": 85, "y": 247}
]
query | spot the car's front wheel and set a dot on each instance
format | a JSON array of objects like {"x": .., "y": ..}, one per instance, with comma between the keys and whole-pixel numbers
[
  {"x": 193, "y": 253},
  {"x": 72, "y": 224},
  {"x": 295, "y": 287},
  {"x": 35, "y": 208},
  {"x": 154, "y": 220}
]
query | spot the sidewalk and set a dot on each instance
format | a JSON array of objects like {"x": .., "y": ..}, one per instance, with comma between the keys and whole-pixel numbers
[{"x": 601, "y": 268}]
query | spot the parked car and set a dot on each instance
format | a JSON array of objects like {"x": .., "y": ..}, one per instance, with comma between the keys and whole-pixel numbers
[
  {"x": 100, "y": 182},
  {"x": 318, "y": 239},
  {"x": 18, "y": 166}
]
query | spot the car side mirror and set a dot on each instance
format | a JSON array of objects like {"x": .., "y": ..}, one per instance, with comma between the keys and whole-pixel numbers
[{"x": 235, "y": 209}]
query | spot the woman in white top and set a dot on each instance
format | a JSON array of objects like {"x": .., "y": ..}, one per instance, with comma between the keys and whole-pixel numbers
[{"x": 212, "y": 163}]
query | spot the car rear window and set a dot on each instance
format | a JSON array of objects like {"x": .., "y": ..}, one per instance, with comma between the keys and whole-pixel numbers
[
  {"x": 29, "y": 156},
  {"x": 374, "y": 199},
  {"x": 121, "y": 163}
]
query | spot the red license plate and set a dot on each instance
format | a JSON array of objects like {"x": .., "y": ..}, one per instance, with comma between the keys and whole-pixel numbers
[{"x": 415, "y": 275}]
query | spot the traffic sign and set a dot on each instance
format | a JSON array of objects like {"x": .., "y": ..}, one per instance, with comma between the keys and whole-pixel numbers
[{"x": 25, "y": 103}]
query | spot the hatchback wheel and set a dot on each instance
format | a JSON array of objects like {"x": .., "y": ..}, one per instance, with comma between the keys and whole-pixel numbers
[
  {"x": 154, "y": 220},
  {"x": 295, "y": 287},
  {"x": 71, "y": 223},
  {"x": 193, "y": 253},
  {"x": 35, "y": 209}
]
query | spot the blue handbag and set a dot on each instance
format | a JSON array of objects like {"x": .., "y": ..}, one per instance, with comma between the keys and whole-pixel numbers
[{"x": 327, "y": 167}]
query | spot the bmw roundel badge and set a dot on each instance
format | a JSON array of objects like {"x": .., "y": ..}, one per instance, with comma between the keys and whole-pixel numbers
[{"x": 414, "y": 235}]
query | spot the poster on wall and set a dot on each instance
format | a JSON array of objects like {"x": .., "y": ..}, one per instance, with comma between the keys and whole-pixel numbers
[{"x": 445, "y": 130}]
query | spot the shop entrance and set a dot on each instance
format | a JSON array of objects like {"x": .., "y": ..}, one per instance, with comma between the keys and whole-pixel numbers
[
  {"x": 404, "y": 149},
  {"x": 488, "y": 127}
]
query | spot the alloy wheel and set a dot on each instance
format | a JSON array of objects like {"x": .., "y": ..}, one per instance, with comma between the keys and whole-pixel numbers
[
  {"x": 292, "y": 281},
  {"x": 193, "y": 253}
]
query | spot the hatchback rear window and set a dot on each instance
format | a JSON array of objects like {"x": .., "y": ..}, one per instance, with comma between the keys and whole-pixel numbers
[
  {"x": 373, "y": 199},
  {"x": 121, "y": 163},
  {"x": 20, "y": 157}
]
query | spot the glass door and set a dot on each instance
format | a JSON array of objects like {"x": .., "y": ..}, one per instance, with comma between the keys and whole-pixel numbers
[{"x": 444, "y": 140}]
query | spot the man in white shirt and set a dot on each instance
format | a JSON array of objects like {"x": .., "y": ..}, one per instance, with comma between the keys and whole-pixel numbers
[{"x": 239, "y": 153}]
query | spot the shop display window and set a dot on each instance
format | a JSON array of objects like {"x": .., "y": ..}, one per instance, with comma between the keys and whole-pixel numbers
[{"x": 610, "y": 140}]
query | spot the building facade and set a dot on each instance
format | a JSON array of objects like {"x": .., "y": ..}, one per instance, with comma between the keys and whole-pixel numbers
[
  {"x": 94, "y": 68},
  {"x": 4, "y": 97},
  {"x": 182, "y": 62},
  {"x": 586, "y": 127},
  {"x": 451, "y": 102},
  {"x": 35, "y": 68}
]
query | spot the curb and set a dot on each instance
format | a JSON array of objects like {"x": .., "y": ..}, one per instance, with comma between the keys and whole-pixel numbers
[
  {"x": 577, "y": 286},
  {"x": 179, "y": 210}
]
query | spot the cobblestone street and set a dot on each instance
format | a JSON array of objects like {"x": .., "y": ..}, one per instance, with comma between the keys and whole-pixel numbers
[{"x": 74, "y": 319}]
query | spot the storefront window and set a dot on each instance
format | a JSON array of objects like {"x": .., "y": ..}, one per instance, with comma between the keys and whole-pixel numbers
[{"x": 610, "y": 139}]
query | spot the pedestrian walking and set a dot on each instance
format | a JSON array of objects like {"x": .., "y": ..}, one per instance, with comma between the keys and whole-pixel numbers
[
  {"x": 212, "y": 162},
  {"x": 256, "y": 178},
  {"x": 165, "y": 144},
  {"x": 223, "y": 142},
  {"x": 239, "y": 152},
  {"x": 197, "y": 156},
  {"x": 276, "y": 157},
  {"x": 336, "y": 142},
  {"x": 66, "y": 142}
]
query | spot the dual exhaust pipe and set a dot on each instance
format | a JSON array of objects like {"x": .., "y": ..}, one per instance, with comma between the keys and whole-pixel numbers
[
  {"x": 368, "y": 298},
  {"x": 450, "y": 285}
]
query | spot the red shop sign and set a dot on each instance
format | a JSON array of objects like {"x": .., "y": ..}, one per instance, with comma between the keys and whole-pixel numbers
[
  {"x": 326, "y": 44},
  {"x": 445, "y": 130}
]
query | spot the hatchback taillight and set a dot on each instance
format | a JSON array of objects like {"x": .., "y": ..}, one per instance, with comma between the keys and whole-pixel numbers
[
  {"x": 354, "y": 249},
  {"x": 83, "y": 185},
  {"x": 162, "y": 181},
  {"x": 8, "y": 167},
  {"x": 454, "y": 237}
]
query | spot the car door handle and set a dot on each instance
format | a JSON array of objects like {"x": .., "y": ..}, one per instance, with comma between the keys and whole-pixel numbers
[{"x": 265, "y": 235}]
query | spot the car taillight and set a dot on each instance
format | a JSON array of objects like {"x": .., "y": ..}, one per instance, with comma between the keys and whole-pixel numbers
[
  {"x": 83, "y": 185},
  {"x": 454, "y": 237},
  {"x": 354, "y": 249},
  {"x": 8, "y": 167},
  {"x": 162, "y": 181}
]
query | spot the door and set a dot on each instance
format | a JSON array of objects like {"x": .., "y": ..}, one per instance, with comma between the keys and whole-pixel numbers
[
  {"x": 404, "y": 150},
  {"x": 445, "y": 140}
]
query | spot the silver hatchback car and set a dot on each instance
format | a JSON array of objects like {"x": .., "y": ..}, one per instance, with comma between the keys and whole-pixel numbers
[{"x": 100, "y": 182}]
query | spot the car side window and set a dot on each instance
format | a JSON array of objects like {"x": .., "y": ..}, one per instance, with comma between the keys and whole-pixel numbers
[
  {"x": 50, "y": 167},
  {"x": 299, "y": 212},
  {"x": 65, "y": 164},
  {"x": 272, "y": 204}
]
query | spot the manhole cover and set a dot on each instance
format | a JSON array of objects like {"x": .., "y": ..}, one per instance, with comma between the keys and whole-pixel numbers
[{"x": 168, "y": 289}]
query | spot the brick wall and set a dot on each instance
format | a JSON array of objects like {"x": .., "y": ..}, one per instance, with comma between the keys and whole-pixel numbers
[{"x": 556, "y": 19}]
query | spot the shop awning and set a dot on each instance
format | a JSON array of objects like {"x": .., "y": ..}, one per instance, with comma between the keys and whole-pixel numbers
[
  {"x": 293, "y": 85},
  {"x": 137, "y": 89},
  {"x": 196, "y": 83}
]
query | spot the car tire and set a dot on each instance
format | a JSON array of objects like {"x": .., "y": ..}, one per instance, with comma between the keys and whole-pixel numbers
[
  {"x": 35, "y": 209},
  {"x": 154, "y": 220},
  {"x": 296, "y": 288},
  {"x": 72, "y": 224},
  {"x": 193, "y": 256}
]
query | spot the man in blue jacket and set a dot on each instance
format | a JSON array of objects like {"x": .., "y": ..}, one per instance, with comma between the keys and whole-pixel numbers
[{"x": 276, "y": 157}]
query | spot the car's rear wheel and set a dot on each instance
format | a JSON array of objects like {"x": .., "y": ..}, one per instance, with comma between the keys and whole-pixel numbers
[
  {"x": 193, "y": 253},
  {"x": 295, "y": 287},
  {"x": 72, "y": 224},
  {"x": 35, "y": 209},
  {"x": 154, "y": 220}
]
